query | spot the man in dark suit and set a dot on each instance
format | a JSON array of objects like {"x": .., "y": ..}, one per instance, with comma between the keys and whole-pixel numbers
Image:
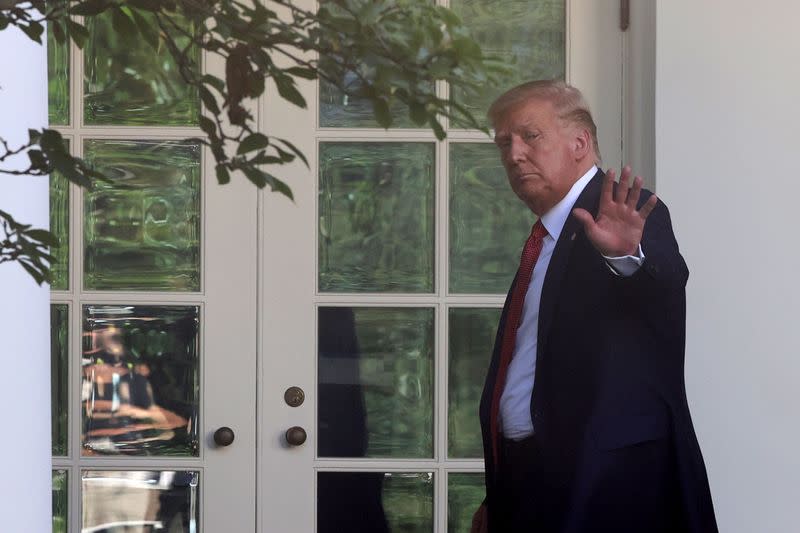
[{"x": 585, "y": 422}]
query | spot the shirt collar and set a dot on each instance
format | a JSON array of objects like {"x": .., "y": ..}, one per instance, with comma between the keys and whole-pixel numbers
[{"x": 554, "y": 220}]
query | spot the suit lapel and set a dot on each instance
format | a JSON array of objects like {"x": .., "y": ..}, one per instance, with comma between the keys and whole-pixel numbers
[{"x": 589, "y": 200}]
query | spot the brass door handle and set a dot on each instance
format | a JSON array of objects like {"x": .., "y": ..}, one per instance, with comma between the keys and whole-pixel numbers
[{"x": 296, "y": 436}]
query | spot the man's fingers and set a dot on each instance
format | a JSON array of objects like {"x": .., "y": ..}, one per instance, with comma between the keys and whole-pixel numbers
[
  {"x": 622, "y": 186},
  {"x": 608, "y": 186},
  {"x": 648, "y": 206},
  {"x": 635, "y": 192}
]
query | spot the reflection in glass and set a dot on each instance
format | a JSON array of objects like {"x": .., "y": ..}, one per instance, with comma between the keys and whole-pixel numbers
[
  {"x": 376, "y": 217},
  {"x": 126, "y": 82},
  {"x": 140, "y": 501},
  {"x": 339, "y": 110},
  {"x": 60, "y": 499},
  {"x": 383, "y": 502},
  {"x": 471, "y": 340},
  {"x": 142, "y": 230},
  {"x": 375, "y": 382},
  {"x": 465, "y": 493},
  {"x": 488, "y": 224},
  {"x": 529, "y": 35},
  {"x": 59, "y": 226},
  {"x": 57, "y": 80},
  {"x": 140, "y": 380},
  {"x": 59, "y": 376}
]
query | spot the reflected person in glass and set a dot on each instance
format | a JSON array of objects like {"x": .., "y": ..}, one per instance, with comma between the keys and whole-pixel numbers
[
  {"x": 584, "y": 414},
  {"x": 119, "y": 402}
]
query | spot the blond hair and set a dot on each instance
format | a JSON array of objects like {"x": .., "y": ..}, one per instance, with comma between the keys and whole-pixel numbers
[{"x": 569, "y": 103}]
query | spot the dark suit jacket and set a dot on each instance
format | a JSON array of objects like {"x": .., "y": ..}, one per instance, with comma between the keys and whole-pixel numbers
[{"x": 609, "y": 403}]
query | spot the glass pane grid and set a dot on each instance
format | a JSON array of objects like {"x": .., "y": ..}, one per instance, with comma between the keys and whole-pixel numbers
[
  {"x": 456, "y": 453},
  {"x": 69, "y": 466}
]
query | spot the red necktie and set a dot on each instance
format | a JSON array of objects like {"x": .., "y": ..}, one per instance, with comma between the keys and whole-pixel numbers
[{"x": 533, "y": 247}]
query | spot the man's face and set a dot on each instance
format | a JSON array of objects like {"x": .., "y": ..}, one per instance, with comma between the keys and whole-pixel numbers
[{"x": 538, "y": 151}]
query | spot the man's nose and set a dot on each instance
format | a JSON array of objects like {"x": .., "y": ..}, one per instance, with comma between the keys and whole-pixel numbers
[{"x": 517, "y": 150}]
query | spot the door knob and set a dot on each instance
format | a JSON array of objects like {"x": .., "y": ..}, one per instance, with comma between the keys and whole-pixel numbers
[
  {"x": 296, "y": 436},
  {"x": 223, "y": 436}
]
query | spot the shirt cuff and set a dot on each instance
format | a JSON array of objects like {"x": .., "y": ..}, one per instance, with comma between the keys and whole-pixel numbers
[{"x": 625, "y": 265}]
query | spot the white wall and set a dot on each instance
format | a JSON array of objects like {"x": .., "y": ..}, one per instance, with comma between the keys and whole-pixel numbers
[
  {"x": 727, "y": 145},
  {"x": 25, "y": 498}
]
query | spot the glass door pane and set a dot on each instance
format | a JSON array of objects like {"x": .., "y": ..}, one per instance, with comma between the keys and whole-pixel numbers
[
  {"x": 529, "y": 35},
  {"x": 140, "y": 391},
  {"x": 126, "y": 82}
]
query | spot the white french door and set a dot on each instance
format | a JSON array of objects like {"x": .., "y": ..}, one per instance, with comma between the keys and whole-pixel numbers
[
  {"x": 381, "y": 286},
  {"x": 153, "y": 305}
]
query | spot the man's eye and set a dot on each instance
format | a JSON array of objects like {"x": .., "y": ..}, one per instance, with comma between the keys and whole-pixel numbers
[{"x": 529, "y": 135}]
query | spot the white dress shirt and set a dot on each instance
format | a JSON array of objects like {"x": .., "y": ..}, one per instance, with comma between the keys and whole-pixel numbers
[{"x": 515, "y": 402}]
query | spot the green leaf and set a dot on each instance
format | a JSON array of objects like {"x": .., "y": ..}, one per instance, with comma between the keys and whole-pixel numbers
[
  {"x": 380, "y": 109},
  {"x": 294, "y": 149},
  {"x": 281, "y": 187},
  {"x": 43, "y": 236},
  {"x": 90, "y": 8},
  {"x": 52, "y": 141},
  {"x": 256, "y": 141},
  {"x": 208, "y": 126},
  {"x": 223, "y": 176},
  {"x": 209, "y": 101},
  {"x": 33, "y": 30},
  {"x": 78, "y": 32},
  {"x": 256, "y": 176},
  {"x": 437, "y": 128},
  {"x": 38, "y": 160},
  {"x": 37, "y": 276},
  {"x": 302, "y": 72},
  {"x": 147, "y": 29},
  {"x": 146, "y": 5},
  {"x": 418, "y": 113},
  {"x": 58, "y": 31},
  {"x": 289, "y": 92},
  {"x": 123, "y": 24},
  {"x": 214, "y": 81}
]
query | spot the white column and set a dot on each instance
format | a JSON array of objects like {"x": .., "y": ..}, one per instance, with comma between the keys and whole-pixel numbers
[
  {"x": 25, "y": 497},
  {"x": 727, "y": 116}
]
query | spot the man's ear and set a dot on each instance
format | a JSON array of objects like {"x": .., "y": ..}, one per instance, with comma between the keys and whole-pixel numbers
[{"x": 582, "y": 143}]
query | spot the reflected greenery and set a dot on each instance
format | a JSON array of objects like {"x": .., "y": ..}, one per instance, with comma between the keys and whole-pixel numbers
[
  {"x": 142, "y": 230},
  {"x": 342, "y": 109},
  {"x": 59, "y": 377},
  {"x": 529, "y": 35},
  {"x": 59, "y": 226},
  {"x": 140, "y": 380},
  {"x": 488, "y": 224},
  {"x": 390, "y": 363},
  {"x": 471, "y": 339},
  {"x": 127, "y": 83},
  {"x": 60, "y": 501},
  {"x": 376, "y": 217},
  {"x": 408, "y": 501},
  {"x": 58, "y": 70},
  {"x": 465, "y": 493}
]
